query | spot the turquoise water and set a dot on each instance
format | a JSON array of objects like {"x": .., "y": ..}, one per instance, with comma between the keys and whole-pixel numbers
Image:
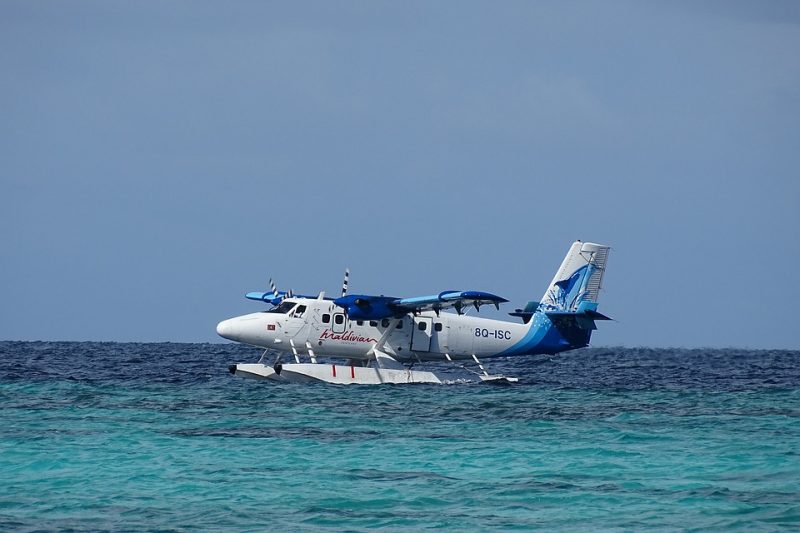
[{"x": 160, "y": 436}]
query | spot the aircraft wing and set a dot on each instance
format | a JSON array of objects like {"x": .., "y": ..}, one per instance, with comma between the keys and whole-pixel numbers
[
  {"x": 447, "y": 299},
  {"x": 363, "y": 307},
  {"x": 268, "y": 297},
  {"x": 273, "y": 298}
]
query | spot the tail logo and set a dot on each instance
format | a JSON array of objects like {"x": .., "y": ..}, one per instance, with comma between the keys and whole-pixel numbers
[{"x": 568, "y": 293}]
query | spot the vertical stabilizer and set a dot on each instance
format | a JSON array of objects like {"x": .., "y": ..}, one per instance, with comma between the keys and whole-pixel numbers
[{"x": 578, "y": 279}]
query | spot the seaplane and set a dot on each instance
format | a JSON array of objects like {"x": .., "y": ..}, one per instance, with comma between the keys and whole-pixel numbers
[{"x": 381, "y": 339}]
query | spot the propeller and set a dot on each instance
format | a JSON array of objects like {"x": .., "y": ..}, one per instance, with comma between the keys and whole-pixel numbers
[
  {"x": 276, "y": 294},
  {"x": 274, "y": 289},
  {"x": 345, "y": 282}
]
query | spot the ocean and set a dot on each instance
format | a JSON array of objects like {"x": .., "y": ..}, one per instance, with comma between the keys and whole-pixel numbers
[{"x": 112, "y": 436}]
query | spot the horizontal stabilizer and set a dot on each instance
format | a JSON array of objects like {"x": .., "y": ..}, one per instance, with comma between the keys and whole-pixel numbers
[
  {"x": 592, "y": 315},
  {"x": 580, "y": 320},
  {"x": 527, "y": 313}
]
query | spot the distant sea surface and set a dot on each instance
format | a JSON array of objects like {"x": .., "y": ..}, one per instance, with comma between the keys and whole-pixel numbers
[{"x": 98, "y": 436}]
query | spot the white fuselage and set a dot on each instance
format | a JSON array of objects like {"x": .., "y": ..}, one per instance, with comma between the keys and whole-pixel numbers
[{"x": 303, "y": 323}]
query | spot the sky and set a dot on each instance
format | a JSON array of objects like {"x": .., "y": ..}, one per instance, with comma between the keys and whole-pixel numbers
[{"x": 160, "y": 159}]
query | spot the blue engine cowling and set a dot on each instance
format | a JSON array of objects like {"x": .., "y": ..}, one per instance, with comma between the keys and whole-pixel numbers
[{"x": 363, "y": 307}]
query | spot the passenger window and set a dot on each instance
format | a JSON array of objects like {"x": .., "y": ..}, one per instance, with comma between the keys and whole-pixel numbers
[
  {"x": 422, "y": 326},
  {"x": 301, "y": 309},
  {"x": 373, "y": 323},
  {"x": 326, "y": 318},
  {"x": 360, "y": 322},
  {"x": 338, "y": 319},
  {"x": 400, "y": 325},
  {"x": 385, "y": 322},
  {"x": 438, "y": 326}
]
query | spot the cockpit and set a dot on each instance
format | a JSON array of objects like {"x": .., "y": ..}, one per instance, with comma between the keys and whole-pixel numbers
[
  {"x": 287, "y": 308},
  {"x": 283, "y": 308}
]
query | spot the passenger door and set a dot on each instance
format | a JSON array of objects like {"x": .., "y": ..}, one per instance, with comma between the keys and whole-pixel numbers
[
  {"x": 421, "y": 335},
  {"x": 339, "y": 323},
  {"x": 439, "y": 337}
]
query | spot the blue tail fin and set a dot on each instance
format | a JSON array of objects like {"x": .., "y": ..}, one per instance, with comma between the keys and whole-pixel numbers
[
  {"x": 565, "y": 318},
  {"x": 578, "y": 279},
  {"x": 570, "y": 302}
]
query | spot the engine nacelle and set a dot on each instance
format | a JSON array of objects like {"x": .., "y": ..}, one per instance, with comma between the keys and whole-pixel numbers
[{"x": 363, "y": 307}]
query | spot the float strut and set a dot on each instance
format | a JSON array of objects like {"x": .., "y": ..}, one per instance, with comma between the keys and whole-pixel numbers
[
  {"x": 485, "y": 373},
  {"x": 311, "y": 352},
  {"x": 294, "y": 351}
]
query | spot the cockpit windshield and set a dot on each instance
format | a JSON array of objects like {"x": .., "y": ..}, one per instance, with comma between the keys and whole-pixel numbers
[{"x": 283, "y": 308}]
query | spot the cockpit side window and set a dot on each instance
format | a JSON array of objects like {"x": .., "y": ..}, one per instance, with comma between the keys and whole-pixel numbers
[
  {"x": 283, "y": 308},
  {"x": 300, "y": 311}
]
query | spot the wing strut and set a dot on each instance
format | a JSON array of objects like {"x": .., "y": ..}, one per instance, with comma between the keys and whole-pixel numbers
[{"x": 378, "y": 346}]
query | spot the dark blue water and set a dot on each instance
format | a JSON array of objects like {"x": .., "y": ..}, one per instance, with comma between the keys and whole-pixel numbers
[{"x": 160, "y": 436}]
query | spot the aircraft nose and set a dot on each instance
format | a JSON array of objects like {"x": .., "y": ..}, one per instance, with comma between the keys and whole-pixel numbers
[{"x": 224, "y": 328}]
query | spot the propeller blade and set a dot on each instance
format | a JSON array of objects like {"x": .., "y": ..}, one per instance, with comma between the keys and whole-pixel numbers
[
  {"x": 346, "y": 281},
  {"x": 274, "y": 289}
]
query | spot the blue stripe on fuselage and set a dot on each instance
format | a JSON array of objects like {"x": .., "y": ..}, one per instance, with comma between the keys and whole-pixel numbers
[{"x": 542, "y": 337}]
